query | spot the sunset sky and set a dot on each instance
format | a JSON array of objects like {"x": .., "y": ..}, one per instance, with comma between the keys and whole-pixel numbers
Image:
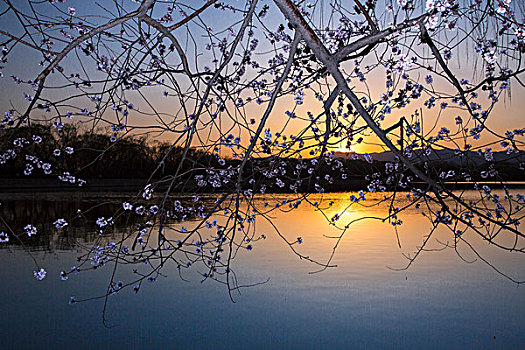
[{"x": 508, "y": 114}]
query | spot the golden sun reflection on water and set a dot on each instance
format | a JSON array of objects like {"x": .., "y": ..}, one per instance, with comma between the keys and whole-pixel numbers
[
  {"x": 363, "y": 244},
  {"x": 369, "y": 244}
]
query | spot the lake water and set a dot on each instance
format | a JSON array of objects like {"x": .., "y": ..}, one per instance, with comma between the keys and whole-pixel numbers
[{"x": 439, "y": 302}]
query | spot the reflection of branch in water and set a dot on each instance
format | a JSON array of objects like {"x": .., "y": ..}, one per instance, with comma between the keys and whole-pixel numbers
[{"x": 238, "y": 120}]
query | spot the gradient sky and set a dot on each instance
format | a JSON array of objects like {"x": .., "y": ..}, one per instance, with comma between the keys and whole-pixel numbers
[{"x": 508, "y": 115}]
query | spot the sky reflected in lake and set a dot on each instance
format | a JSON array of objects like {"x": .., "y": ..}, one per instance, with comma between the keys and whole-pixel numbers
[{"x": 439, "y": 302}]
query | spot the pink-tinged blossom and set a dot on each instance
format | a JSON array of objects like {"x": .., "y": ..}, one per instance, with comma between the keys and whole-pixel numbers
[
  {"x": 40, "y": 275},
  {"x": 30, "y": 230},
  {"x": 503, "y": 6},
  {"x": 101, "y": 222},
  {"x": 489, "y": 157},
  {"x": 148, "y": 191},
  {"x": 432, "y": 22},
  {"x": 140, "y": 210},
  {"x": 47, "y": 168},
  {"x": 4, "y": 237},
  {"x": 60, "y": 223},
  {"x": 37, "y": 139}
]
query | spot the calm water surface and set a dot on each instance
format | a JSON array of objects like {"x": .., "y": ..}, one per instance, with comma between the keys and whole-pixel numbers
[{"x": 439, "y": 302}]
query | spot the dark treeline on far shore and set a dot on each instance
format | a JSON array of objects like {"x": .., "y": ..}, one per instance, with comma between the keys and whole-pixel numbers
[{"x": 90, "y": 155}]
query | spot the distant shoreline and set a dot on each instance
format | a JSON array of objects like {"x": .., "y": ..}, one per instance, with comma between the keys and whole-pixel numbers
[
  {"x": 27, "y": 186},
  {"x": 54, "y": 185}
]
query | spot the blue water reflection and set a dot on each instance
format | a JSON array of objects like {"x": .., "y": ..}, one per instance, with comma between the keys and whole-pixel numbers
[{"x": 440, "y": 302}]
